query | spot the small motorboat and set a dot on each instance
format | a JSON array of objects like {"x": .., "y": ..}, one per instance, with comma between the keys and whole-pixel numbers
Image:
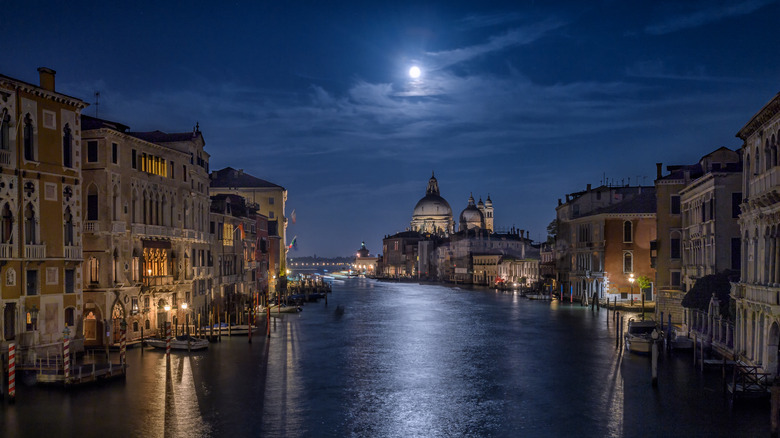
[
  {"x": 182, "y": 342},
  {"x": 276, "y": 309},
  {"x": 638, "y": 337}
]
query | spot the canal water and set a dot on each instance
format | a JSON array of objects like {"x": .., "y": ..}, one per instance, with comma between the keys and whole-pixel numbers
[{"x": 402, "y": 360}]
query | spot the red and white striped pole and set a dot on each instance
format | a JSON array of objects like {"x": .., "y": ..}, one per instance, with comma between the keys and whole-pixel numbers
[
  {"x": 122, "y": 342},
  {"x": 168, "y": 339},
  {"x": 66, "y": 352},
  {"x": 12, "y": 372}
]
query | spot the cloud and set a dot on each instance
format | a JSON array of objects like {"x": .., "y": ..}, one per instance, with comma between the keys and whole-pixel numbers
[
  {"x": 702, "y": 17},
  {"x": 513, "y": 37},
  {"x": 657, "y": 69},
  {"x": 488, "y": 20}
]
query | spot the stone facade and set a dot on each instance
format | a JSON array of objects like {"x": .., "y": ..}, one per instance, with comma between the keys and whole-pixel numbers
[
  {"x": 40, "y": 212},
  {"x": 757, "y": 294}
]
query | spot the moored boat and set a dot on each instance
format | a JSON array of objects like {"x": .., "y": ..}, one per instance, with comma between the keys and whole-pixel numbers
[
  {"x": 638, "y": 337},
  {"x": 183, "y": 342},
  {"x": 276, "y": 309}
]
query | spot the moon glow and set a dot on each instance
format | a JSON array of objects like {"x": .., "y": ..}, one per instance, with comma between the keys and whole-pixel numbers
[{"x": 415, "y": 72}]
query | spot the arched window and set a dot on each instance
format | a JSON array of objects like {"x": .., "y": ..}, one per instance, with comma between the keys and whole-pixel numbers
[
  {"x": 67, "y": 147},
  {"x": 135, "y": 326},
  {"x": 29, "y": 143},
  {"x": 68, "y": 228},
  {"x": 5, "y": 124},
  {"x": 147, "y": 325},
  {"x": 29, "y": 225},
  {"x": 92, "y": 203},
  {"x": 628, "y": 232},
  {"x": 7, "y": 224},
  {"x": 628, "y": 262}
]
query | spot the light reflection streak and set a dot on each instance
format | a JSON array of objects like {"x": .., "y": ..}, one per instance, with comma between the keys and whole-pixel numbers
[{"x": 283, "y": 394}]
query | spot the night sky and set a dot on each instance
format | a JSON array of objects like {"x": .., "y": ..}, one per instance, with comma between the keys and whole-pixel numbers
[{"x": 524, "y": 101}]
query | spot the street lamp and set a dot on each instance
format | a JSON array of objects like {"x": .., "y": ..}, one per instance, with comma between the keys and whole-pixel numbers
[
  {"x": 186, "y": 317},
  {"x": 631, "y": 281}
]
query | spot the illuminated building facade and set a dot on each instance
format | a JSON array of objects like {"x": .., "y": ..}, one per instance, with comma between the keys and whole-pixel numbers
[
  {"x": 40, "y": 221},
  {"x": 146, "y": 241},
  {"x": 270, "y": 199}
]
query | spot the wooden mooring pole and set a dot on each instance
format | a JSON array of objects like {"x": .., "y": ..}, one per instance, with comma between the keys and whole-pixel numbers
[{"x": 774, "y": 421}]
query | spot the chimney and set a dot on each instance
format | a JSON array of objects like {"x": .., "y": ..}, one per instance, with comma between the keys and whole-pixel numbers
[
  {"x": 47, "y": 78},
  {"x": 559, "y": 201},
  {"x": 567, "y": 197},
  {"x": 658, "y": 170},
  {"x": 588, "y": 187}
]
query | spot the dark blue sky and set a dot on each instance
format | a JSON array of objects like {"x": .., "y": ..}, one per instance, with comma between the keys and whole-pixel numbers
[{"x": 525, "y": 101}]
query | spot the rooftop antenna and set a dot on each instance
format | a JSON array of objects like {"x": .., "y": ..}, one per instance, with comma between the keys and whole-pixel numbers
[{"x": 97, "y": 103}]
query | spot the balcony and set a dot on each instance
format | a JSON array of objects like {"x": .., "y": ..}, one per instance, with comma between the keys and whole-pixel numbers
[
  {"x": 73, "y": 252},
  {"x": 91, "y": 227},
  {"x": 160, "y": 280},
  {"x": 6, "y": 250},
  {"x": 203, "y": 271},
  {"x": 764, "y": 182},
  {"x": 5, "y": 157},
  {"x": 35, "y": 252}
]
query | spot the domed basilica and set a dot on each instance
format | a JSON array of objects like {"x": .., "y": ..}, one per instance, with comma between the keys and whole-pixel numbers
[{"x": 433, "y": 215}]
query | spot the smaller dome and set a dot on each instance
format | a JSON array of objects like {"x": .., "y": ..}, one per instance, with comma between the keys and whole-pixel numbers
[{"x": 471, "y": 217}]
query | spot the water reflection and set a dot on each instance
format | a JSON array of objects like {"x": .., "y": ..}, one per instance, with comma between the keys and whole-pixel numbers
[{"x": 400, "y": 360}]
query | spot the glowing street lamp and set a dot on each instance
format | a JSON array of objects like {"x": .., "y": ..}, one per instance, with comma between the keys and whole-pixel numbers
[{"x": 631, "y": 281}]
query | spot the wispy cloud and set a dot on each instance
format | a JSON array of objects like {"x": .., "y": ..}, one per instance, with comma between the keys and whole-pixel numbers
[
  {"x": 488, "y": 20},
  {"x": 658, "y": 69},
  {"x": 705, "y": 16},
  {"x": 513, "y": 37}
]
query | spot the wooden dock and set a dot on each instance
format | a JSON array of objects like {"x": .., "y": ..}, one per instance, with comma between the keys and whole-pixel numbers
[{"x": 748, "y": 383}]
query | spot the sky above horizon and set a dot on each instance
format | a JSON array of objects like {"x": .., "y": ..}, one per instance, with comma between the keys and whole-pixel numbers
[{"x": 521, "y": 101}]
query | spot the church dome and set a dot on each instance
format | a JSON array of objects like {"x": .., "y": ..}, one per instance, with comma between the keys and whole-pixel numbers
[
  {"x": 432, "y": 214},
  {"x": 471, "y": 217},
  {"x": 432, "y": 205}
]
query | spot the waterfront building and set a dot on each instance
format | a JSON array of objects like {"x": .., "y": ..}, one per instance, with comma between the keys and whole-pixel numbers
[
  {"x": 400, "y": 254},
  {"x": 757, "y": 294},
  {"x": 521, "y": 272},
  {"x": 485, "y": 269},
  {"x": 710, "y": 211},
  {"x": 547, "y": 265},
  {"x": 365, "y": 264},
  {"x": 603, "y": 241},
  {"x": 40, "y": 215},
  {"x": 233, "y": 225},
  {"x": 698, "y": 233},
  {"x": 146, "y": 246},
  {"x": 263, "y": 251},
  {"x": 455, "y": 256},
  {"x": 270, "y": 199}
]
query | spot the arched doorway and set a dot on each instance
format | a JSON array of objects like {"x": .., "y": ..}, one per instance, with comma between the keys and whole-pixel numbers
[
  {"x": 93, "y": 325},
  {"x": 117, "y": 316}
]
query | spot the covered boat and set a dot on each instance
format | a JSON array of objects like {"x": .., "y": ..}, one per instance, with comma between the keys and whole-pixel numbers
[
  {"x": 638, "y": 337},
  {"x": 183, "y": 342}
]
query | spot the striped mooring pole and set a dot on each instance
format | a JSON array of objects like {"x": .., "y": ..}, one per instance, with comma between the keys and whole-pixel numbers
[
  {"x": 12, "y": 372},
  {"x": 122, "y": 342},
  {"x": 66, "y": 352},
  {"x": 168, "y": 339}
]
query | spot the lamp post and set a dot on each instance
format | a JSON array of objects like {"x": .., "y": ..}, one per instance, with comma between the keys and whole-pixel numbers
[
  {"x": 631, "y": 281},
  {"x": 186, "y": 318}
]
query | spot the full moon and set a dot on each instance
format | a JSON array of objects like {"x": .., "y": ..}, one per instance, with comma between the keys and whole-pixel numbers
[{"x": 415, "y": 72}]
